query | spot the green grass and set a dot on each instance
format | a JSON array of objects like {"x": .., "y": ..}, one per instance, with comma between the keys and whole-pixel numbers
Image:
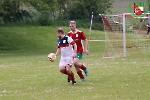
[
  {"x": 35, "y": 39},
  {"x": 26, "y": 73}
]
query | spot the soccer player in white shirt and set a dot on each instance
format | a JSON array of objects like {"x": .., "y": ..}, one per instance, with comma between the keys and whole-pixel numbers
[{"x": 67, "y": 48}]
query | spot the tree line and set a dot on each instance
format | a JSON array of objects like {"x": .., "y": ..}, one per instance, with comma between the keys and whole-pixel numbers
[{"x": 17, "y": 10}]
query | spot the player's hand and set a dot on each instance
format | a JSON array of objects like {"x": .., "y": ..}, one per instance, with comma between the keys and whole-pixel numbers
[{"x": 87, "y": 52}]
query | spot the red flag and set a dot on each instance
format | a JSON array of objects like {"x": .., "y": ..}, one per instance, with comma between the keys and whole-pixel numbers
[{"x": 137, "y": 10}]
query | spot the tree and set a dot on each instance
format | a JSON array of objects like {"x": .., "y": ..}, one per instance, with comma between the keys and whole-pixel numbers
[
  {"x": 49, "y": 7},
  {"x": 83, "y": 8},
  {"x": 10, "y": 10}
]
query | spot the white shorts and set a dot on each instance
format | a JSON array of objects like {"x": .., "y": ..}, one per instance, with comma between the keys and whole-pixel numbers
[{"x": 65, "y": 61}]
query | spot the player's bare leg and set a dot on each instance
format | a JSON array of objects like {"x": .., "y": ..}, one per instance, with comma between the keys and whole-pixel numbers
[
  {"x": 79, "y": 72},
  {"x": 70, "y": 74},
  {"x": 148, "y": 30},
  {"x": 77, "y": 64},
  {"x": 62, "y": 69}
]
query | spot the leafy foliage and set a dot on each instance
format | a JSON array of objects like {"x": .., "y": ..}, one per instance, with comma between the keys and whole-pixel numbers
[
  {"x": 10, "y": 11},
  {"x": 53, "y": 12},
  {"x": 82, "y": 9}
]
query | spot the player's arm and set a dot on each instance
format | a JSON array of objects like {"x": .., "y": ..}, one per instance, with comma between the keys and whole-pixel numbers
[
  {"x": 85, "y": 43},
  {"x": 148, "y": 25},
  {"x": 75, "y": 49},
  {"x": 58, "y": 51},
  {"x": 86, "y": 46}
]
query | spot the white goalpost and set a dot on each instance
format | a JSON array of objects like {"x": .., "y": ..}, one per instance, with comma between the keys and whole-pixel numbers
[
  {"x": 125, "y": 35},
  {"x": 90, "y": 30}
]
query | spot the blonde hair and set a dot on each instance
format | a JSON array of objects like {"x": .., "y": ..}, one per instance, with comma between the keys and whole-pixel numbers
[{"x": 72, "y": 22}]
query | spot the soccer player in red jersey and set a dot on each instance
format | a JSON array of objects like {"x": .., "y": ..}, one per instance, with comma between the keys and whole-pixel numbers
[{"x": 78, "y": 36}]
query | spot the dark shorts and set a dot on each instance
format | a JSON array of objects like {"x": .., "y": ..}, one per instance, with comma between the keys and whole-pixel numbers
[{"x": 79, "y": 56}]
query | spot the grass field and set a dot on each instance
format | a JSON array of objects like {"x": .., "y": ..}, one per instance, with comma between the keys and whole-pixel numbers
[{"x": 26, "y": 74}]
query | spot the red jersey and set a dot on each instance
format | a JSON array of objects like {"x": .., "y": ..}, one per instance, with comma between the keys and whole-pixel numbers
[{"x": 78, "y": 36}]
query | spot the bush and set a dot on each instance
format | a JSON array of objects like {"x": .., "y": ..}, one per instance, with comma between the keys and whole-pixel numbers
[
  {"x": 44, "y": 20},
  {"x": 61, "y": 23},
  {"x": 80, "y": 24},
  {"x": 1, "y": 21}
]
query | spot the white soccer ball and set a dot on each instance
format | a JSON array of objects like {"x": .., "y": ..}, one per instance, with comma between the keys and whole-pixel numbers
[{"x": 52, "y": 57}]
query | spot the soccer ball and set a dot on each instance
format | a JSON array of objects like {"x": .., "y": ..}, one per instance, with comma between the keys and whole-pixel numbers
[{"x": 52, "y": 57}]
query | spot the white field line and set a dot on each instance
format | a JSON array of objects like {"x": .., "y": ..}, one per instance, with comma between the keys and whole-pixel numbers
[
  {"x": 97, "y": 40},
  {"x": 115, "y": 40}
]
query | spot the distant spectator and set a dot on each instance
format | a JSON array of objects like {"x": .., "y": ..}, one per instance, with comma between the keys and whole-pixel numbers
[{"x": 148, "y": 26}]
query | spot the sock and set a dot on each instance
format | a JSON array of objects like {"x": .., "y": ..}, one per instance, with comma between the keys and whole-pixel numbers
[
  {"x": 82, "y": 67},
  {"x": 72, "y": 76},
  {"x": 80, "y": 74}
]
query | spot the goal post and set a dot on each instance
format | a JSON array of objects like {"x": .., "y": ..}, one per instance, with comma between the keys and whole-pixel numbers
[{"x": 125, "y": 35}]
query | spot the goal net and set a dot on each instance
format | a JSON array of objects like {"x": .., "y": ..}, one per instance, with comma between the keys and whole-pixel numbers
[{"x": 125, "y": 35}]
